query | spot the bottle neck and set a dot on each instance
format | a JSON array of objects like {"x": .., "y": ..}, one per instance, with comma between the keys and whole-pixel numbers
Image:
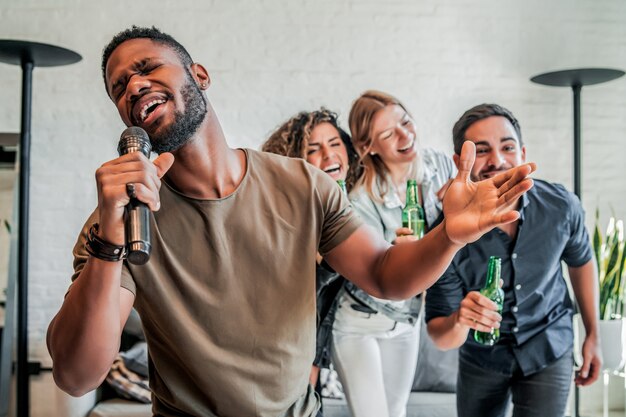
[
  {"x": 342, "y": 185},
  {"x": 493, "y": 273},
  {"x": 412, "y": 195}
]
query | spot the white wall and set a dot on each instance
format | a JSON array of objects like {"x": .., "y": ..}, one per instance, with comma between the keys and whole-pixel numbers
[{"x": 270, "y": 58}]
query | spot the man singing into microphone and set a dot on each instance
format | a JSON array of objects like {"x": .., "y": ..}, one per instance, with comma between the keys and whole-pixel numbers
[{"x": 227, "y": 298}]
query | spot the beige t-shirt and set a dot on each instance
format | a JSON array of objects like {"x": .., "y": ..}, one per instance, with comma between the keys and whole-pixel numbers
[{"x": 227, "y": 299}]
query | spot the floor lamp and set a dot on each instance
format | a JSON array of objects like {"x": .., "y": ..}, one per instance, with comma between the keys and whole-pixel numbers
[
  {"x": 576, "y": 79},
  {"x": 28, "y": 55}
]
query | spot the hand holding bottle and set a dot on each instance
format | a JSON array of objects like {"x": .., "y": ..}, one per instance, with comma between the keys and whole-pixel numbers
[
  {"x": 493, "y": 291},
  {"x": 405, "y": 234},
  {"x": 478, "y": 312}
]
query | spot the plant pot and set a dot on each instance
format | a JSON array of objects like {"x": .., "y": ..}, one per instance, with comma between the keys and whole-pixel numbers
[{"x": 612, "y": 341}]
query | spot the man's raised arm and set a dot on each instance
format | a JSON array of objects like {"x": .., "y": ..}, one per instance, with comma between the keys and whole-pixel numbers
[{"x": 470, "y": 208}]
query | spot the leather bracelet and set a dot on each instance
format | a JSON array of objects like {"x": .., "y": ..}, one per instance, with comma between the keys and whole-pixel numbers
[{"x": 102, "y": 249}]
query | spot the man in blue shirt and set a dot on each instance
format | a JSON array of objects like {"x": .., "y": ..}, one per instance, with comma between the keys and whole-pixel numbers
[{"x": 532, "y": 362}]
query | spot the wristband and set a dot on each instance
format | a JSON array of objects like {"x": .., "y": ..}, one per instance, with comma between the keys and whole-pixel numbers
[{"x": 102, "y": 249}]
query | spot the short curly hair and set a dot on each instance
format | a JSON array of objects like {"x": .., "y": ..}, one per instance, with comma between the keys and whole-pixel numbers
[
  {"x": 152, "y": 33},
  {"x": 292, "y": 138}
]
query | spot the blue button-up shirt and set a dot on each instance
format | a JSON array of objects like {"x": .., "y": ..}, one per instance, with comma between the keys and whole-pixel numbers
[{"x": 536, "y": 326}]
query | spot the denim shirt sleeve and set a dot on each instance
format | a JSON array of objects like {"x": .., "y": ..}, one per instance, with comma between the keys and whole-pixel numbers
[
  {"x": 445, "y": 296},
  {"x": 577, "y": 251}
]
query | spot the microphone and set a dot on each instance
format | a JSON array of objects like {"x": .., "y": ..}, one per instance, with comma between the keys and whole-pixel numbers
[{"x": 136, "y": 214}]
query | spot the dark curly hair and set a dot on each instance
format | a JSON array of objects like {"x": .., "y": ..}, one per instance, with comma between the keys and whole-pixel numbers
[
  {"x": 152, "y": 33},
  {"x": 476, "y": 113},
  {"x": 292, "y": 138}
]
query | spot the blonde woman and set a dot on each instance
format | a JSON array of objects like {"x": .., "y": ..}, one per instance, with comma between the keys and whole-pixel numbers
[{"x": 375, "y": 341}]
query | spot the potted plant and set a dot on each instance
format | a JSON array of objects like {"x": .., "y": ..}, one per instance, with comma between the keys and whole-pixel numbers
[{"x": 610, "y": 253}]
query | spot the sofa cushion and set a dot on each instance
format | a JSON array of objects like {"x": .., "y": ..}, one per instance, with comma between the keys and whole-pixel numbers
[
  {"x": 431, "y": 404},
  {"x": 136, "y": 358},
  {"x": 121, "y": 408},
  {"x": 436, "y": 370}
]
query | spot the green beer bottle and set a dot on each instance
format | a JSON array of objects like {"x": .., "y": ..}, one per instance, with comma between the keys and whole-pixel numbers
[
  {"x": 413, "y": 213},
  {"x": 492, "y": 291},
  {"x": 342, "y": 184}
]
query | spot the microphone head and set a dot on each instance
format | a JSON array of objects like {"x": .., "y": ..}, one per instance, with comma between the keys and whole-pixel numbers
[{"x": 134, "y": 139}]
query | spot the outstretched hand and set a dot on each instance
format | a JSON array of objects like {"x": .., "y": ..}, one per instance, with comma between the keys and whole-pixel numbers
[{"x": 471, "y": 209}]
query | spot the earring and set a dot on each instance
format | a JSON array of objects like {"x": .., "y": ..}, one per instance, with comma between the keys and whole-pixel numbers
[{"x": 372, "y": 153}]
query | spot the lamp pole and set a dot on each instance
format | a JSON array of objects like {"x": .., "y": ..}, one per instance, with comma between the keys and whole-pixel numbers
[
  {"x": 28, "y": 55},
  {"x": 576, "y": 79}
]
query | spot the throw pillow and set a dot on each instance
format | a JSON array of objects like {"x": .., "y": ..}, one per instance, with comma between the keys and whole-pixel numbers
[{"x": 436, "y": 369}]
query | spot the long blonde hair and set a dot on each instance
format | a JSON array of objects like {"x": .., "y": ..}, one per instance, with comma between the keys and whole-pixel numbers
[{"x": 360, "y": 120}]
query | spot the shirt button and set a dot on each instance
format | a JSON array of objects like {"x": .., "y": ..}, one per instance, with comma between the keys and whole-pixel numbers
[
  {"x": 515, "y": 329},
  {"x": 514, "y": 309},
  {"x": 518, "y": 287},
  {"x": 514, "y": 256}
]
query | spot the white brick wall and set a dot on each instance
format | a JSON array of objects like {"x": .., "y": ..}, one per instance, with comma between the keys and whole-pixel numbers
[{"x": 269, "y": 59}]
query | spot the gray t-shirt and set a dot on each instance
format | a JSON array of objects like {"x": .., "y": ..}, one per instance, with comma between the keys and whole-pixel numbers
[{"x": 227, "y": 299}]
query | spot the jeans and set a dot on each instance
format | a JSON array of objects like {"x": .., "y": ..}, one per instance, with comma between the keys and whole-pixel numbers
[
  {"x": 375, "y": 359},
  {"x": 485, "y": 393}
]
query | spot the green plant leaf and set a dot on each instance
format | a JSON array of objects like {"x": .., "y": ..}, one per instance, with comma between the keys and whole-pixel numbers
[
  {"x": 610, "y": 252},
  {"x": 613, "y": 249},
  {"x": 621, "y": 263},
  {"x": 597, "y": 241}
]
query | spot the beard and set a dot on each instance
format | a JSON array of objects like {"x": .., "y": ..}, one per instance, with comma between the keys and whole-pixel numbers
[
  {"x": 185, "y": 123},
  {"x": 490, "y": 173}
]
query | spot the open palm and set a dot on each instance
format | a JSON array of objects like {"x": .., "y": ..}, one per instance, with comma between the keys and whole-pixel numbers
[{"x": 473, "y": 208}]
